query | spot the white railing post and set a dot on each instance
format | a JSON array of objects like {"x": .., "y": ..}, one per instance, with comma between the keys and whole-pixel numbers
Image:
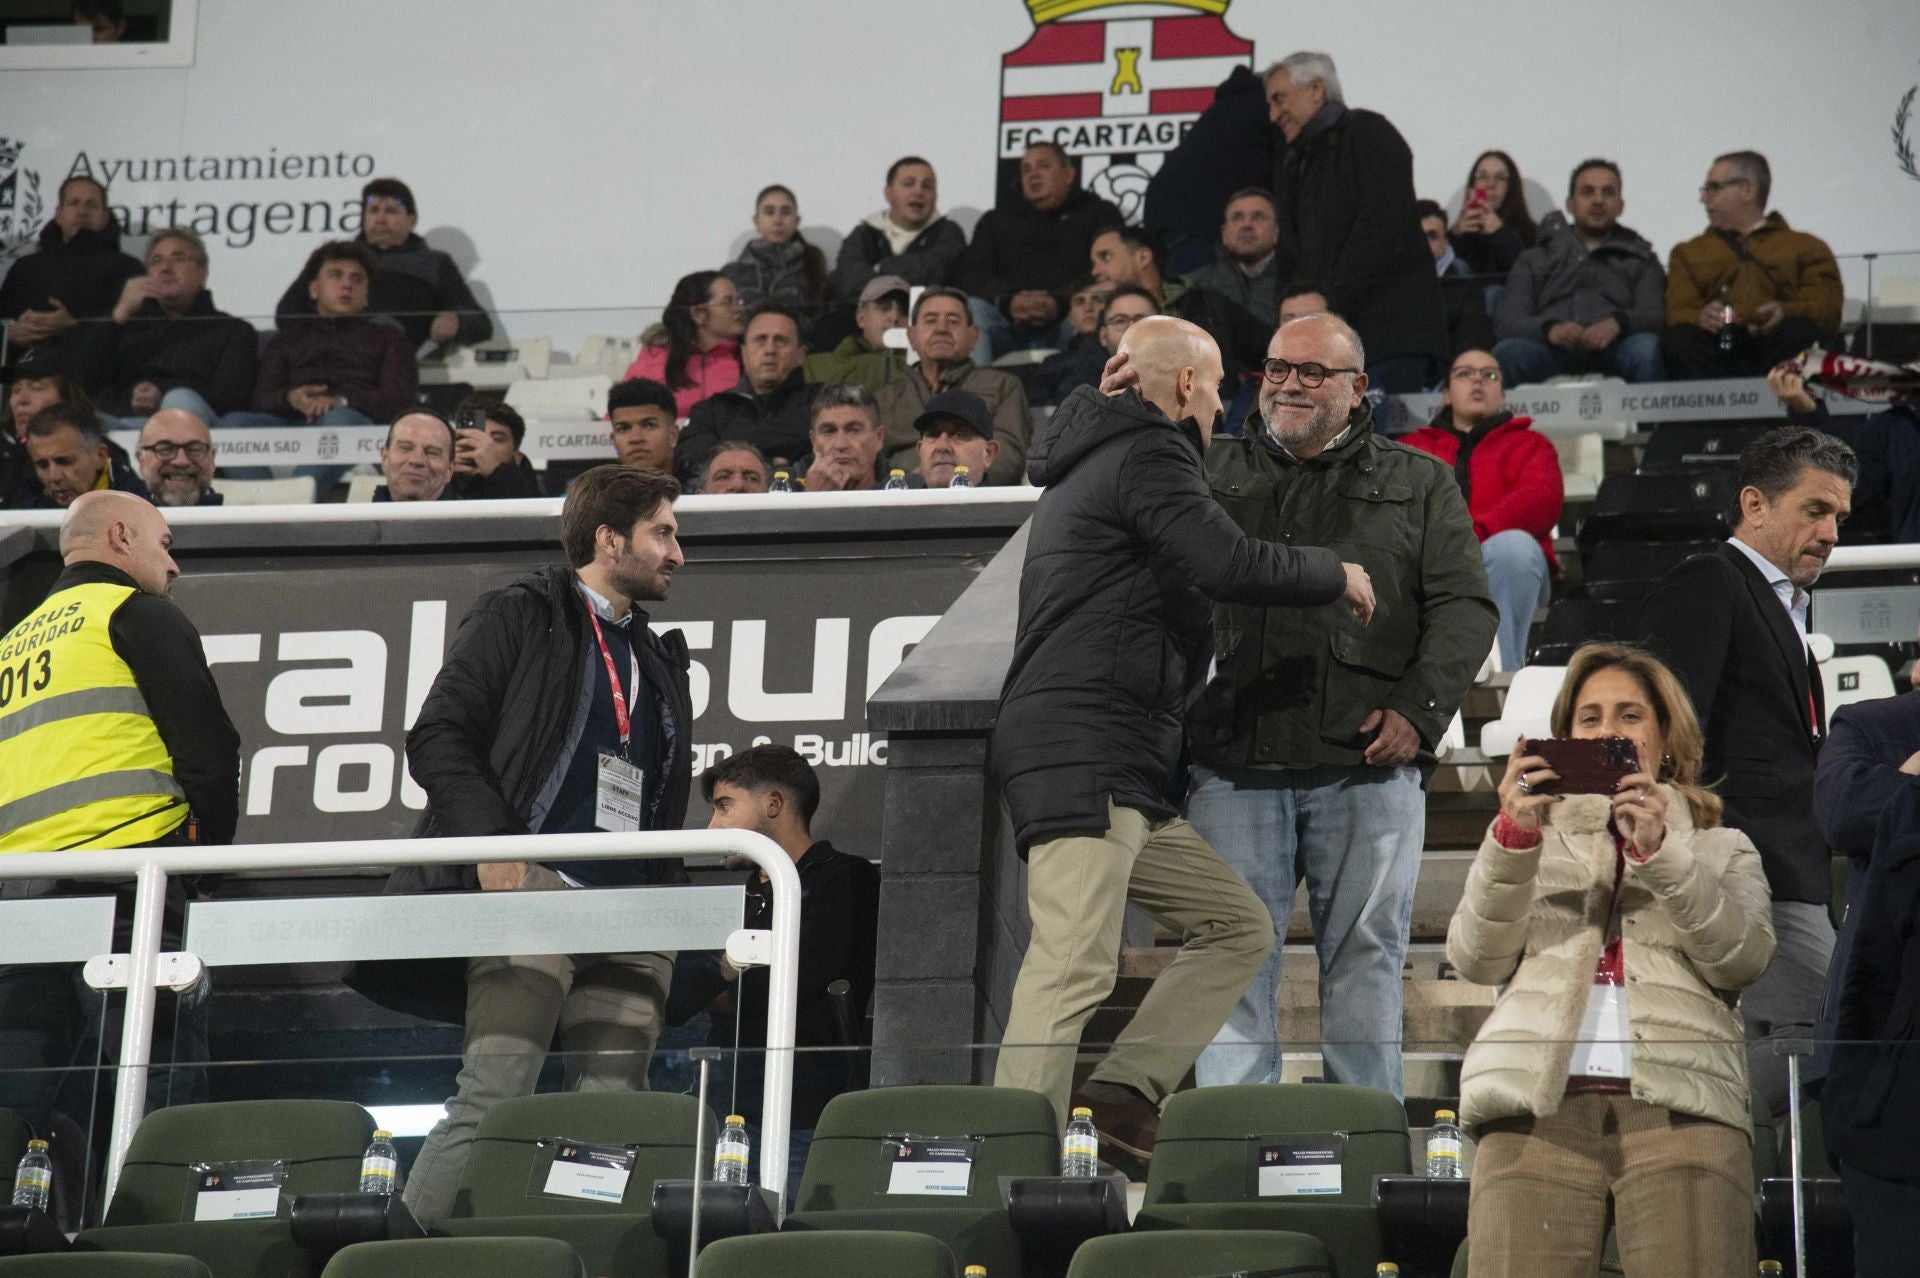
[{"x": 136, "y": 1031}]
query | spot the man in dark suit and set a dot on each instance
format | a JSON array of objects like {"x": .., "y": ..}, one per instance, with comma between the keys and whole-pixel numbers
[{"x": 1733, "y": 625}]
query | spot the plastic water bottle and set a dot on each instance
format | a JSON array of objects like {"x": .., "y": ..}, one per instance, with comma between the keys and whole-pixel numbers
[
  {"x": 731, "y": 1151},
  {"x": 1443, "y": 1147},
  {"x": 1729, "y": 335},
  {"x": 1080, "y": 1151},
  {"x": 380, "y": 1165},
  {"x": 33, "y": 1181},
  {"x": 962, "y": 478},
  {"x": 896, "y": 480},
  {"x": 782, "y": 482}
]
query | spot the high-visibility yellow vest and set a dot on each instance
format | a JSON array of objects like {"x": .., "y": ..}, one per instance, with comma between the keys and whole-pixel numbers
[{"x": 81, "y": 763}]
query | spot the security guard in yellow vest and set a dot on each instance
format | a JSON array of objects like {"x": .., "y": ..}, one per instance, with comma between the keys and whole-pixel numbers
[
  {"x": 111, "y": 728},
  {"x": 111, "y": 735}
]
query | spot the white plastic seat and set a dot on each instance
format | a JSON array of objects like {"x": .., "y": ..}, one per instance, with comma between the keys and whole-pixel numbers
[
  {"x": 363, "y": 487},
  {"x": 611, "y": 355},
  {"x": 491, "y": 364},
  {"x": 1583, "y": 464},
  {"x": 1454, "y": 738},
  {"x": 1528, "y": 711},
  {"x": 561, "y": 398},
  {"x": 1849, "y": 679},
  {"x": 294, "y": 491}
]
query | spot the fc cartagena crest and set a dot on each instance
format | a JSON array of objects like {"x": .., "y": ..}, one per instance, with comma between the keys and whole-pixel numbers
[
  {"x": 20, "y": 204},
  {"x": 1117, "y": 83}
]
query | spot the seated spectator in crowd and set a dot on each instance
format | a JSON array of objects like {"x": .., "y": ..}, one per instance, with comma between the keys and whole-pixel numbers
[
  {"x": 771, "y": 405},
  {"x": 1302, "y": 297},
  {"x": 771, "y": 790},
  {"x": 39, "y": 378},
  {"x": 909, "y": 239},
  {"x": 1085, "y": 297},
  {"x": 77, "y": 273},
  {"x": 640, "y": 418},
  {"x": 1589, "y": 298},
  {"x": 72, "y": 455},
  {"x": 1023, "y": 256},
  {"x": 1462, "y": 298},
  {"x": 1494, "y": 227},
  {"x": 846, "y": 439},
  {"x": 166, "y": 345},
  {"x": 735, "y": 467},
  {"x": 942, "y": 334},
  {"x": 177, "y": 460},
  {"x": 1510, "y": 476},
  {"x": 695, "y": 348},
  {"x": 1130, "y": 256},
  {"x": 338, "y": 367},
  {"x": 1081, "y": 365},
  {"x": 417, "y": 459},
  {"x": 778, "y": 265},
  {"x": 106, "y": 18},
  {"x": 418, "y": 287},
  {"x": 1886, "y": 492},
  {"x": 955, "y": 430},
  {"x": 866, "y": 359},
  {"x": 487, "y": 462},
  {"x": 1246, "y": 269},
  {"x": 1782, "y": 286},
  {"x": 1663, "y": 1130},
  {"x": 1343, "y": 182}
]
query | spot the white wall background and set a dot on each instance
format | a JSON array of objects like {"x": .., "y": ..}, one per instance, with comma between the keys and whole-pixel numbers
[{"x": 584, "y": 154}]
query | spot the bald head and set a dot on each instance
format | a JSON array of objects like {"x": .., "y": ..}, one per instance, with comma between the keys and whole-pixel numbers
[
  {"x": 1321, "y": 325},
  {"x": 1179, "y": 368},
  {"x": 124, "y": 532}
]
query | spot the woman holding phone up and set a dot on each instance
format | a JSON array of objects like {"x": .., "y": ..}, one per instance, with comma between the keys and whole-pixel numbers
[{"x": 1623, "y": 927}]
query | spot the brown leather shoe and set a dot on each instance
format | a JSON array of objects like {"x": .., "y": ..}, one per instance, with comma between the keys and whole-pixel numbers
[{"x": 1127, "y": 1123}]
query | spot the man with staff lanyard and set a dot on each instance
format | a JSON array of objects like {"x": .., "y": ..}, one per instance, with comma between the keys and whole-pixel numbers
[{"x": 558, "y": 712}]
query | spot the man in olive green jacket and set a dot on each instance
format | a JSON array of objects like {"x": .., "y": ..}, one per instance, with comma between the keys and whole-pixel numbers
[{"x": 1306, "y": 740}]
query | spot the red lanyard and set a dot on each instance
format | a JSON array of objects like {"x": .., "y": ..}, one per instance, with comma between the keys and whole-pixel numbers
[{"x": 620, "y": 716}]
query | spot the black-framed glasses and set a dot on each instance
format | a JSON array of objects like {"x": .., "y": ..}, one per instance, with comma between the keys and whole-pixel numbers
[
  {"x": 1714, "y": 188},
  {"x": 1311, "y": 375},
  {"x": 166, "y": 452},
  {"x": 1468, "y": 374}
]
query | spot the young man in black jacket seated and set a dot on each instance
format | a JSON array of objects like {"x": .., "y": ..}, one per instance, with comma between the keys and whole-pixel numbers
[{"x": 771, "y": 790}]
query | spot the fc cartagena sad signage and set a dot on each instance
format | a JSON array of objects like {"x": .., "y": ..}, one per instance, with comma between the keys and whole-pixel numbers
[{"x": 323, "y": 668}]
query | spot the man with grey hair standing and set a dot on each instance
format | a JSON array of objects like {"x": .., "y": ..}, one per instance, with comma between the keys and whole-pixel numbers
[
  {"x": 1343, "y": 182},
  {"x": 1307, "y": 743}
]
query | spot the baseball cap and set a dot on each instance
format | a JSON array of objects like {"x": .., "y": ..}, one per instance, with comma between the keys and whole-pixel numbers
[
  {"x": 960, "y": 405},
  {"x": 881, "y": 285}
]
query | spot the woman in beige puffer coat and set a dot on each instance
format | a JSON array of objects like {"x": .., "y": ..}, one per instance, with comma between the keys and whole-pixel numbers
[{"x": 1630, "y": 921}]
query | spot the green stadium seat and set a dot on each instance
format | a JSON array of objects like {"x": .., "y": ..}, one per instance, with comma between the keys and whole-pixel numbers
[
  {"x": 868, "y": 1254},
  {"x": 500, "y": 1192},
  {"x": 1203, "y": 1175},
  {"x": 95, "y": 1265},
  {"x": 1201, "y": 1253},
  {"x": 844, "y": 1187},
  {"x": 321, "y": 1141},
  {"x": 458, "y": 1258}
]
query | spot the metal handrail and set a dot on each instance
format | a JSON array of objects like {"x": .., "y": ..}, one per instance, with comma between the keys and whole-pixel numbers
[{"x": 151, "y": 867}]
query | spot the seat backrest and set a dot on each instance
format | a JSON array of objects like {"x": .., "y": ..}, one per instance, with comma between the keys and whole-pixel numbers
[
  {"x": 1699, "y": 443},
  {"x": 1629, "y": 569},
  {"x": 363, "y": 487},
  {"x": 457, "y": 1258},
  {"x": 1181, "y": 1253},
  {"x": 296, "y": 490},
  {"x": 514, "y": 1150},
  {"x": 1210, "y": 1138},
  {"x": 1572, "y": 622},
  {"x": 321, "y": 1141},
  {"x": 581, "y": 398},
  {"x": 866, "y": 1253},
  {"x": 103, "y": 1264},
  {"x": 848, "y": 1164},
  {"x": 1848, "y": 679},
  {"x": 14, "y": 1135},
  {"x": 1693, "y": 503}
]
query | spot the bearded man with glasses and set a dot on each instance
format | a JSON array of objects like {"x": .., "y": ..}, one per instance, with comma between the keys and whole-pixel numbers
[
  {"x": 176, "y": 459},
  {"x": 1307, "y": 741}
]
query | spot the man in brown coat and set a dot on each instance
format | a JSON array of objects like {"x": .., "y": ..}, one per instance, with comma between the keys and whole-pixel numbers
[
  {"x": 941, "y": 332},
  {"x": 1749, "y": 291}
]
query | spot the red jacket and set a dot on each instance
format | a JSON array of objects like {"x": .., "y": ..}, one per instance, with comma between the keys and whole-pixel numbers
[{"x": 1514, "y": 473}]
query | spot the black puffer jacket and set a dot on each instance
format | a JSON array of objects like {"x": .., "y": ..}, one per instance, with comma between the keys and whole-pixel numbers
[
  {"x": 1018, "y": 247},
  {"x": 204, "y": 350},
  {"x": 1125, "y": 550},
  {"x": 85, "y": 274}
]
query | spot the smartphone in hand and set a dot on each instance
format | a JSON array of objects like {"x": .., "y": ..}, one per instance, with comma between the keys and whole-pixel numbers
[{"x": 1590, "y": 765}]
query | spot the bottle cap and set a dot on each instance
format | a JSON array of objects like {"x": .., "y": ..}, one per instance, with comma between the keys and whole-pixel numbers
[
  {"x": 896, "y": 473},
  {"x": 783, "y": 474},
  {"x": 976, "y": 1269},
  {"x": 735, "y": 1118},
  {"x": 1081, "y": 1111},
  {"x": 36, "y": 1144},
  {"x": 1444, "y": 1116},
  {"x": 383, "y": 1134},
  {"x": 961, "y": 470},
  {"x": 1386, "y": 1267},
  {"x": 1770, "y": 1267}
]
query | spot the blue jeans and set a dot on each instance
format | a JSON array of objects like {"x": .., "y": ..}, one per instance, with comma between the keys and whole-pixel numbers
[
  {"x": 179, "y": 397},
  {"x": 324, "y": 477},
  {"x": 1354, "y": 834},
  {"x": 998, "y": 334},
  {"x": 1517, "y": 574},
  {"x": 1634, "y": 358}
]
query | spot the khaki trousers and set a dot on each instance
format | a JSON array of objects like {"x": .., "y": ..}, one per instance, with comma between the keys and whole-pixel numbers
[
  {"x": 606, "y": 1008},
  {"x": 1682, "y": 1192},
  {"x": 1077, "y": 892}
]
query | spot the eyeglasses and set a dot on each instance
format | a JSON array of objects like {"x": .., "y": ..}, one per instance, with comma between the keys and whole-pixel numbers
[
  {"x": 1119, "y": 323},
  {"x": 1468, "y": 374},
  {"x": 166, "y": 452},
  {"x": 1311, "y": 375},
  {"x": 1714, "y": 188}
]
